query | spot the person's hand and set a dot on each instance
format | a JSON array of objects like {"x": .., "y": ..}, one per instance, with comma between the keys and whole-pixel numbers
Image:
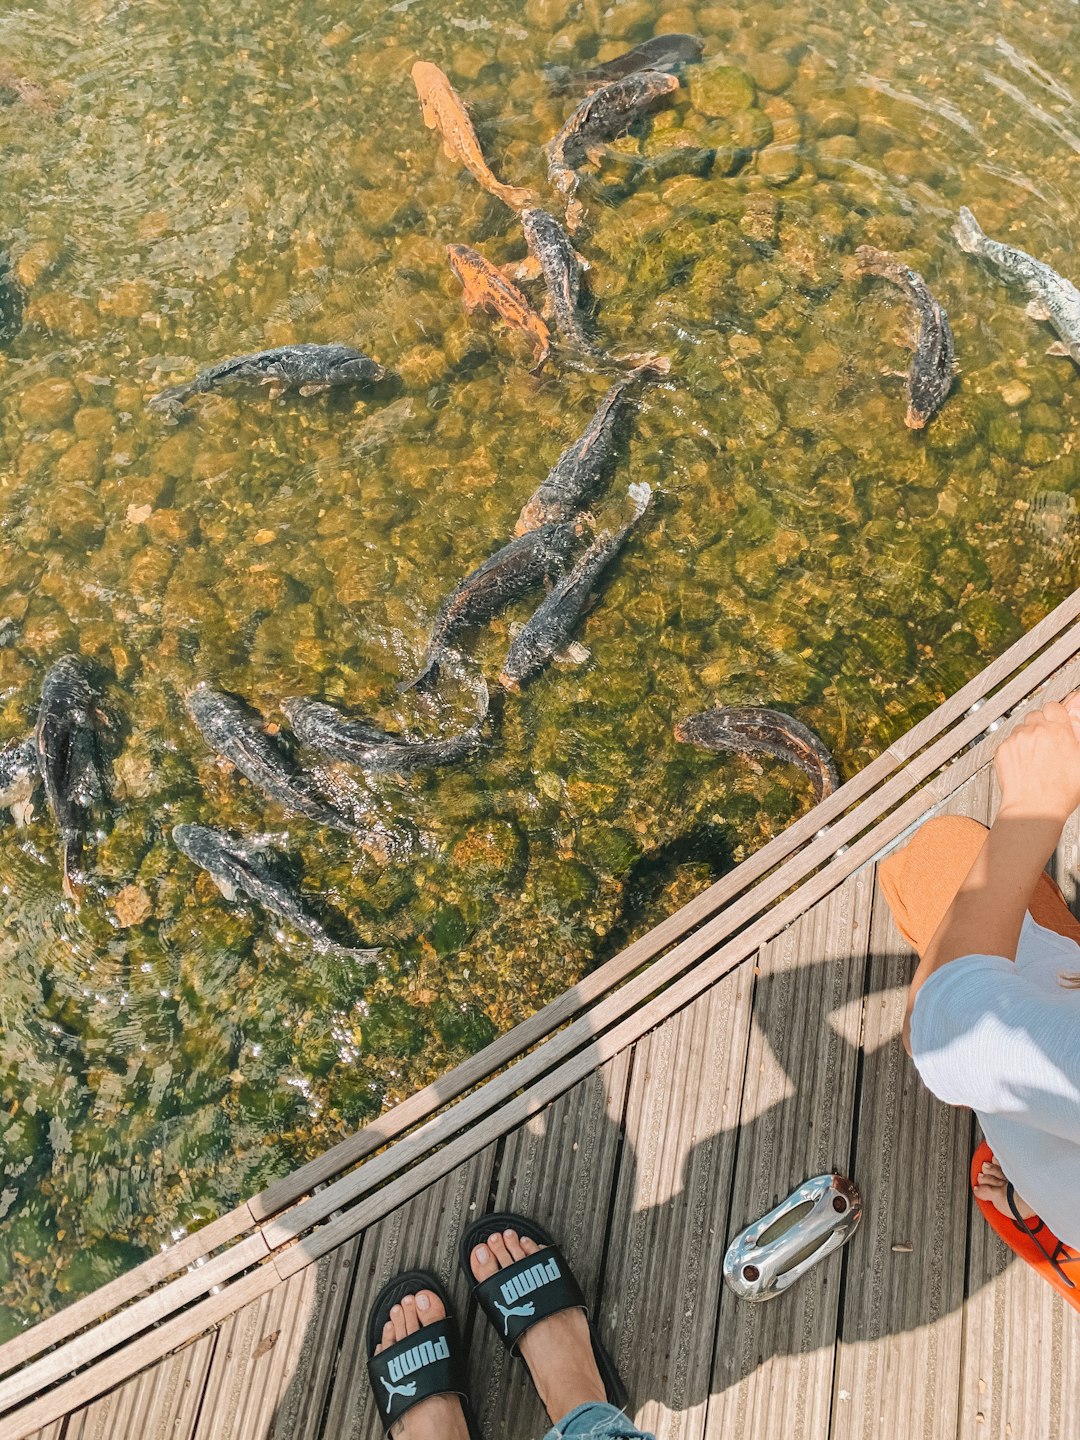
[{"x": 1038, "y": 766}]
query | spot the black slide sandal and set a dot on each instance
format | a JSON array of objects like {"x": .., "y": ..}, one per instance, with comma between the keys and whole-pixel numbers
[
  {"x": 530, "y": 1290},
  {"x": 420, "y": 1366}
]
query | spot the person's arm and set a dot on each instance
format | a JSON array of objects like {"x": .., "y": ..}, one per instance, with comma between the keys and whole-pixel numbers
[{"x": 1038, "y": 771}]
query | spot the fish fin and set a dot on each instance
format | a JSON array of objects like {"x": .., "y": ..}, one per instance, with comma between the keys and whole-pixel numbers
[
  {"x": 424, "y": 681},
  {"x": 274, "y": 388},
  {"x": 527, "y": 269},
  {"x": 1036, "y": 310},
  {"x": 894, "y": 374},
  {"x": 968, "y": 233},
  {"x": 1058, "y": 348},
  {"x": 540, "y": 355},
  {"x": 226, "y": 887},
  {"x": 22, "y": 812},
  {"x": 573, "y": 654},
  {"x": 582, "y": 261},
  {"x": 315, "y": 388},
  {"x": 72, "y": 889}
]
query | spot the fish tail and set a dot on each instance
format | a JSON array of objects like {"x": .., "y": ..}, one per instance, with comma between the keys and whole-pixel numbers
[
  {"x": 170, "y": 400},
  {"x": 872, "y": 261},
  {"x": 424, "y": 681},
  {"x": 968, "y": 233},
  {"x": 72, "y": 888}
]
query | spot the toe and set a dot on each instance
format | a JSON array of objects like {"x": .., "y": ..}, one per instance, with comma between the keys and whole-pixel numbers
[
  {"x": 483, "y": 1262},
  {"x": 513, "y": 1244},
  {"x": 429, "y": 1307},
  {"x": 388, "y": 1336},
  {"x": 497, "y": 1246},
  {"x": 412, "y": 1320},
  {"x": 397, "y": 1320},
  {"x": 529, "y": 1246}
]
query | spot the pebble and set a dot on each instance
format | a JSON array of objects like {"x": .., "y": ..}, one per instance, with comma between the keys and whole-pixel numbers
[{"x": 48, "y": 402}]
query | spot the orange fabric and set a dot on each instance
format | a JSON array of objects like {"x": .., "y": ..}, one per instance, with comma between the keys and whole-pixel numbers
[
  {"x": 919, "y": 882},
  {"x": 1027, "y": 1247}
]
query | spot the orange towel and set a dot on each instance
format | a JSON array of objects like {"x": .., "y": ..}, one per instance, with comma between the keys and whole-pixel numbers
[{"x": 919, "y": 883}]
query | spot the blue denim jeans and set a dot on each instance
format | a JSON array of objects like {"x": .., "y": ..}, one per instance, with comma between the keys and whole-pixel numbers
[{"x": 596, "y": 1422}]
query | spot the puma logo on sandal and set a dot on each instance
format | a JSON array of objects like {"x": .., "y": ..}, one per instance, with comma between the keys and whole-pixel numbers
[
  {"x": 408, "y": 1362},
  {"x": 522, "y": 1284}
]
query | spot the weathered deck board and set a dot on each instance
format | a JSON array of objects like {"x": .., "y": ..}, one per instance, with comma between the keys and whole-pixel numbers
[
  {"x": 669, "y": 1219},
  {"x": 160, "y": 1404},
  {"x": 773, "y": 1366},
  {"x": 899, "y": 1352},
  {"x": 559, "y": 1169},
  {"x": 423, "y": 1233}
]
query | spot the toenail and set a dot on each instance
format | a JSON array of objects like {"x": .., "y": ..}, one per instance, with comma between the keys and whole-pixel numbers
[
  {"x": 494, "y": 1239},
  {"x": 482, "y": 1254},
  {"x": 422, "y": 1302}
]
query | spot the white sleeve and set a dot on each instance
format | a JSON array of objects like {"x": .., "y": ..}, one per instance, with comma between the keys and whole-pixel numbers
[{"x": 983, "y": 1036}]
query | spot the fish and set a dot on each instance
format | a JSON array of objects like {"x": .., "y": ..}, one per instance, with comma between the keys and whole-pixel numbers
[
  {"x": 517, "y": 567},
  {"x": 553, "y": 252},
  {"x": 306, "y": 368},
  {"x": 20, "y": 776},
  {"x": 548, "y": 629},
  {"x": 585, "y": 463},
  {"x": 602, "y": 116},
  {"x": 444, "y": 110},
  {"x": 11, "y": 302},
  {"x": 14, "y": 86},
  {"x": 324, "y": 728},
  {"x": 488, "y": 288},
  {"x": 933, "y": 363},
  {"x": 756, "y": 730},
  {"x": 662, "y": 52},
  {"x": 235, "y": 731},
  {"x": 1053, "y": 297},
  {"x": 70, "y": 760},
  {"x": 238, "y": 865}
]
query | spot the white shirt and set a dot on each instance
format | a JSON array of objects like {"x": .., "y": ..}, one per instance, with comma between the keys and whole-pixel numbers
[{"x": 1004, "y": 1039}]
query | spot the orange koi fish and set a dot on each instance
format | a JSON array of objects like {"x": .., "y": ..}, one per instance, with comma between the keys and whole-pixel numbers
[
  {"x": 444, "y": 111},
  {"x": 487, "y": 288}
]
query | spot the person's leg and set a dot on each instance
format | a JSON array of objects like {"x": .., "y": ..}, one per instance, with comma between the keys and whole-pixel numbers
[
  {"x": 921, "y": 879},
  {"x": 596, "y": 1421},
  {"x": 441, "y": 1417}
]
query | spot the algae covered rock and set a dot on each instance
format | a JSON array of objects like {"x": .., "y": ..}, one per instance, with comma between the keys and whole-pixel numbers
[{"x": 720, "y": 89}]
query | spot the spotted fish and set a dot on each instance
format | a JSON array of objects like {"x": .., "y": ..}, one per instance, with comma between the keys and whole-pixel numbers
[
  {"x": 487, "y": 288},
  {"x": 584, "y": 465},
  {"x": 70, "y": 759},
  {"x": 548, "y": 629},
  {"x": 19, "y": 777},
  {"x": 602, "y": 117},
  {"x": 553, "y": 253},
  {"x": 755, "y": 730},
  {"x": 444, "y": 111},
  {"x": 933, "y": 363},
  {"x": 1053, "y": 297},
  {"x": 238, "y": 865},
  {"x": 661, "y": 52},
  {"x": 516, "y": 568},
  {"x": 306, "y": 368}
]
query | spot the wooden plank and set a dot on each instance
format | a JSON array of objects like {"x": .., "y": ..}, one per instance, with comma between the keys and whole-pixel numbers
[
  {"x": 773, "y": 1364},
  {"x": 50, "y": 1432},
  {"x": 140, "y": 1316},
  {"x": 1020, "y": 1372},
  {"x": 192, "y": 1250},
  {"x": 469, "y": 1112},
  {"x": 423, "y": 1233},
  {"x": 299, "y": 1413},
  {"x": 897, "y": 1368},
  {"x": 69, "y": 1395},
  {"x": 162, "y": 1403},
  {"x": 559, "y": 1169},
  {"x": 273, "y": 1356},
  {"x": 670, "y": 1214},
  {"x": 522, "y": 1037}
]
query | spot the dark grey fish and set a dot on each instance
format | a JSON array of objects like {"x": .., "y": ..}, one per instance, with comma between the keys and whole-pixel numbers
[
  {"x": 237, "y": 865},
  {"x": 755, "y": 730},
  {"x": 234, "y": 730},
  {"x": 11, "y": 303},
  {"x": 307, "y": 368},
  {"x": 324, "y": 728},
  {"x": 584, "y": 465},
  {"x": 549, "y": 628},
  {"x": 70, "y": 759},
  {"x": 933, "y": 363},
  {"x": 19, "y": 777},
  {"x": 511, "y": 572},
  {"x": 602, "y": 117},
  {"x": 560, "y": 264},
  {"x": 663, "y": 52}
]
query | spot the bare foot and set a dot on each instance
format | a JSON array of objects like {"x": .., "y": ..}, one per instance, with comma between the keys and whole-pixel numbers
[
  {"x": 558, "y": 1350},
  {"x": 441, "y": 1417},
  {"x": 991, "y": 1186}
]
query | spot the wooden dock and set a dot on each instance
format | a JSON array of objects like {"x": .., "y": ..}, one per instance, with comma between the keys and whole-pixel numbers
[{"x": 747, "y": 1042}]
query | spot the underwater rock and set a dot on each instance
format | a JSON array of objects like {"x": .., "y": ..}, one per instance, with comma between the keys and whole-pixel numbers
[{"x": 720, "y": 90}]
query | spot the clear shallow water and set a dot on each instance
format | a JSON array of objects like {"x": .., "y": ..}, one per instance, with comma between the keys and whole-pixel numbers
[{"x": 208, "y": 181}]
